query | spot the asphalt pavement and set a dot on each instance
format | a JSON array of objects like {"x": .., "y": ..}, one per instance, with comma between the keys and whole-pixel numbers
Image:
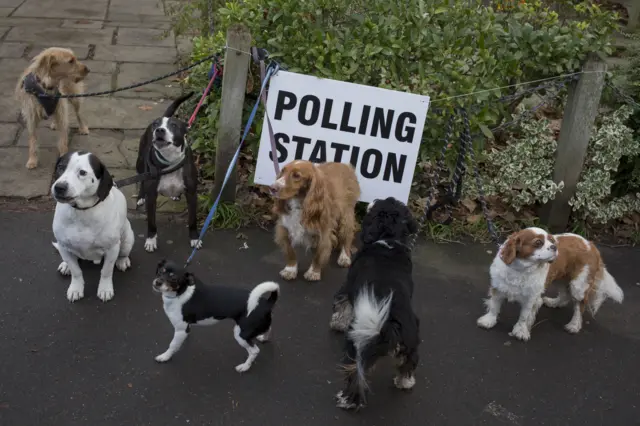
[{"x": 92, "y": 363}]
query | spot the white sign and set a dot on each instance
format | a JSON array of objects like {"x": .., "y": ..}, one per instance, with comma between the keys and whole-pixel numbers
[{"x": 320, "y": 120}]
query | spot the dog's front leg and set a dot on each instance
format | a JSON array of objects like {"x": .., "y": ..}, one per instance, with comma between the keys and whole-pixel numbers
[
  {"x": 321, "y": 258},
  {"x": 192, "y": 206},
  {"x": 30, "y": 123},
  {"x": 528, "y": 311},
  {"x": 70, "y": 265},
  {"x": 151, "y": 198},
  {"x": 493, "y": 303},
  {"x": 61, "y": 118},
  {"x": 105, "y": 287},
  {"x": 342, "y": 315},
  {"x": 83, "y": 129},
  {"x": 179, "y": 336}
]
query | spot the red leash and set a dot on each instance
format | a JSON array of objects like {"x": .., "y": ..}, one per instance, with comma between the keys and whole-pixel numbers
[{"x": 204, "y": 95}]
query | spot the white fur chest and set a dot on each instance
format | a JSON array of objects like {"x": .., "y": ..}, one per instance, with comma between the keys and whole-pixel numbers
[
  {"x": 171, "y": 184},
  {"x": 292, "y": 221},
  {"x": 90, "y": 233},
  {"x": 173, "y": 308},
  {"x": 516, "y": 283}
]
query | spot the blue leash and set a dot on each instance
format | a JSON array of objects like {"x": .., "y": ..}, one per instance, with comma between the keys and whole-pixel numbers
[{"x": 207, "y": 222}]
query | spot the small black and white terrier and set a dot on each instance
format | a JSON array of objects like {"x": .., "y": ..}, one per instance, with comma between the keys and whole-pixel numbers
[
  {"x": 187, "y": 301},
  {"x": 374, "y": 305}
]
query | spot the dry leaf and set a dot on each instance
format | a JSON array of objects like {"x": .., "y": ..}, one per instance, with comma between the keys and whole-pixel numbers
[
  {"x": 469, "y": 204},
  {"x": 129, "y": 385},
  {"x": 145, "y": 107},
  {"x": 474, "y": 218},
  {"x": 241, "y": 236}
]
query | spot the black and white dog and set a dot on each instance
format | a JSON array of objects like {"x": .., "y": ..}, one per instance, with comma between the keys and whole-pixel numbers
[
  {"x": 90, "y": 222},
  {"x": 163, "y": 145},
  {"x": 374, "y": 305},
  {"x": 187, "y": 301}
]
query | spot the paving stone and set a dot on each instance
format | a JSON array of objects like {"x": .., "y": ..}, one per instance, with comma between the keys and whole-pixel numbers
[
  {"x": 98, "y": 82},
  {"x": 160, "y": 55},
  {"x": 103, "y": 143},
  {"x": 167, "y": 205},
  {"x": 129, "y": 146},
  {"x": 6, "y": 11},
  {"x": 66, "y": 9},
  {"x": 4, "y": 30},
  {"x": 46, "y": 137},
  {"x": 8, "y": 132},
  {"x": 30, "y": 22},
  {"x": 118, "y": 113},
  {"x": 145, "y": 37},
  {"x": 17, "y": 181},
  {"x": 100, "y": 67},
  {"x": 115, "y": 16},
  {"x": 64, "y": 37},
  {"x": 184, "y": 46},
  {"x": 148, "y": 7},
  {"x": 82, "y": 23},
  {"x": 134, "y": 73},
  {"x": 12, "y": 50},
  {"x": 9, "y": 108},
  {"x": 10, "y": 3},
  {"x": 162, "y": 25},
  {"x": 81, "y": 52}
]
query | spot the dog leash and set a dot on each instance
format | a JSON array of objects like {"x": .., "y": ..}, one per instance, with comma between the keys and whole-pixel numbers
[{"x": 269, "y": 72}]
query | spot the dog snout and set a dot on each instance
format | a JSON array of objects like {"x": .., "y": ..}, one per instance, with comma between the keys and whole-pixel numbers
[
  {"x": 60, "y": 189},
  {"x": 157, "y": 283},
  {"x": 85, "y": 69}
]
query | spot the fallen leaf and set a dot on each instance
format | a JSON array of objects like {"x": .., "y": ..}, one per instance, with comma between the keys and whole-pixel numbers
[
  {"x": 241, "y": 236},
  {"x": 469, "y": 204},
  {"x": 145, "y": 107},
  {"x": 474, "y": 218},
  {"x": 129, "y": 385}
]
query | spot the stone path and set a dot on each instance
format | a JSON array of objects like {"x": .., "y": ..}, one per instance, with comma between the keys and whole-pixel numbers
[{"x": 122, "y": 42}]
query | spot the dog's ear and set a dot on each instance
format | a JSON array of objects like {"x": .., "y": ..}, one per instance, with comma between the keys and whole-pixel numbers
[
  {"x": 189, "y": 278},
  {"x": 103, "y": 175},
  {"x": 61, "y": 165},
  {"x": 509, "y": 250}
]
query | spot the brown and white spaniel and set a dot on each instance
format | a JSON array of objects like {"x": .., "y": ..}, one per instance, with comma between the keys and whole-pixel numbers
[
  {"x": 530, "y": 260},
  {"x": 315, "y": 206}
]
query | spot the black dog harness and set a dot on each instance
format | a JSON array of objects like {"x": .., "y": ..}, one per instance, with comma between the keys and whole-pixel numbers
[{"x": 33, "y": 85}]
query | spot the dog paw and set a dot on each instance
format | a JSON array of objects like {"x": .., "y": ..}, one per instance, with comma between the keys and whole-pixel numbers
[
  {"x": 83, "y": 130},
  {"x": 163, "y": 357},
  {"x": 140, "y": 202},
  {"x": 32, "y": 163},
  {"x": 520, "y": 332},
  {"x": 123, "y": 263},
  {"x": 312, "y": 275},
  {"x": 151, "y": 244},
  {"x": 344, "y": 260},
  {"x": 289, "y": 272},
  {"x": 343, "y": 402},
  {"x": 572, "y": 327},
  {"x": 241, "y": 368},
  {"x": 176, "y": 198},
  {"x": 63, "y": 268},
  {"x": 196, "y": 243},
  {"x": 487, "y": 321},
  {"x": 75, "y": 292},
  {"x": 404, "y": 382},
  {"x": 105, "y": 291},
  {"x": 53, "y": 126},
  {"x": 263, "y": 338}
]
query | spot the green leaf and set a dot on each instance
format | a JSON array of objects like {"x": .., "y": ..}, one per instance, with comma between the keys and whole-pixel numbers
[{"x": 486, "y": 131}]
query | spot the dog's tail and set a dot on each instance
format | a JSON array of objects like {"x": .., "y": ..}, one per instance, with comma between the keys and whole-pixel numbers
[
  {"x": 258, "y": 291},
  {"x": 606, "y": 288},
  {"x": 370, "y": 316},
  {"x": 175, "y": 104}
]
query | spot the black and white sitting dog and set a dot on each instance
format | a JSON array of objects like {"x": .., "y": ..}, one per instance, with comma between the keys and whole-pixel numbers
[
  {"x": 90, "y": 222},
  {"x": 374, "y": 305},
  {"x": 187, "y": 301},
  {"x": 164, "y": 145}
]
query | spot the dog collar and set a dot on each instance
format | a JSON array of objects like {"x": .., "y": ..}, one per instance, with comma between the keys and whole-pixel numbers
[
  {"x": 34, "y": 86},
  {"x": 386, "y": 244},
  {"x": 86, "y": 208},
  {"x": 164, "y": 161}
]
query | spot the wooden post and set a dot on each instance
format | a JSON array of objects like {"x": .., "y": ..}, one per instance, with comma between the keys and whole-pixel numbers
[
  {"x": 234, "y": 84},
  {"x": 579, "y": 115}
]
